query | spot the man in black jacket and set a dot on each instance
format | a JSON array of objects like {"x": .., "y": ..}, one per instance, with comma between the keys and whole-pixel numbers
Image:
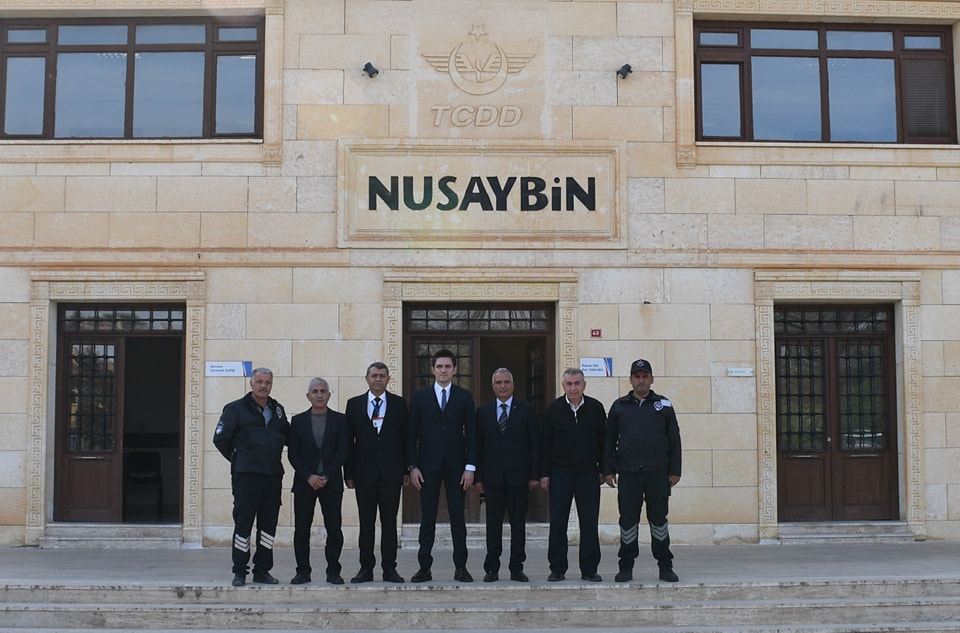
[
  {"x": 508, "y": 439},
  {"x": 251, "y": 433},
  {"x": 376, "y": 469},
  {"x": 319, "y": 445},
  {"x": 642, "y": 450}
]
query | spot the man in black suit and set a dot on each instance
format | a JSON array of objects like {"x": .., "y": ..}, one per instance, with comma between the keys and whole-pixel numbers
[
  {"x": 442, "y": 448},
  {"x": 508, "y": 439},
  {"x": 376, "y": 469},
  {"x": 319, "y": 445}
]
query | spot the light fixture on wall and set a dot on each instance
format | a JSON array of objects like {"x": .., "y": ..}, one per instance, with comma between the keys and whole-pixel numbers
[
  {"x": 371, "y": 70},
  {"x": 625, "y": 70}
]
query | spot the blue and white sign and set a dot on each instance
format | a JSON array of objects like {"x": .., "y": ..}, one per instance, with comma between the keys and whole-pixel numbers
[
  {"x": 602, "y": 367},
  {"x": 242, "y": 368}
]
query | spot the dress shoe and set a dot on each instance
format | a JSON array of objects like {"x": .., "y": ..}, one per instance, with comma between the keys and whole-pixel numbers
[
  {"x": 239, "y": 580},
  {"x": 591, "y": 577},
  {"x": 667, "y": 574},
  {"x": 624, "y": 575},
  {"x": 423, "y": 575},
  {"x": 391, "y": 575},
  {"x": 491, "y": 576},
  {"x": 556, "y": 576},
  {"x": 335, "y": 579},
  {"x": 300, "y": 579},
  {"x": 519, "y": 576},
  {"x": 264, "y": 578},
  {"x": 364, "y": 575},
  {"x": 462, "y": 575}
]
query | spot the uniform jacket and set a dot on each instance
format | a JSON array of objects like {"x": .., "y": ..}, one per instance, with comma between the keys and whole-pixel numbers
[
  {"x": 251, "y": 445},
  {"x": 375, "y": 454},
  {"x": 305, "y": 455},
  {"x": 642, "y": 435},
  {"x": 441, "y": 440},
  {"x": 572, "y": 443},
  {"x": 512, "y": 458}
]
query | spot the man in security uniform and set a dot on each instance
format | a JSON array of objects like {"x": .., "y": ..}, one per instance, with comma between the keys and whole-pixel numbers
[
  {"x": 642, "y": 450},
  {"x": 251, "y": 433}
]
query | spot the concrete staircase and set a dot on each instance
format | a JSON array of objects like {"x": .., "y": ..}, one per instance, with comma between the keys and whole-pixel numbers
[{"x": 849, "y": 532}]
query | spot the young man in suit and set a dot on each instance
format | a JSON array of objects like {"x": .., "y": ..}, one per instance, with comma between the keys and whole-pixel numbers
[
  {"x": 376, "y": 469},
  {"x": 442, "y": 447},
  {"x": 508, "y": 440},
  {"x": 319, "y": 445}
]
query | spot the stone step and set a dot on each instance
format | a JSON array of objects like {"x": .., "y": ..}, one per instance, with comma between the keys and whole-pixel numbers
[
  {"x": 882, "y": 627},
  {"x": 111, "y": 536},
  {"x": 851, "y": 532}
]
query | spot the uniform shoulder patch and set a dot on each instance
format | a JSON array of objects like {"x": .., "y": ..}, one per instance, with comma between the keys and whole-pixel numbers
[{"x": 663, "y": 402}]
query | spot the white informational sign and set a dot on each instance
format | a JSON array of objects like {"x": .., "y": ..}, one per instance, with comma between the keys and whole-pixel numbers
[
  {"x": 741, "y": 372},
  {"x": 602, "y": 367},
  {"x": 242, "y": 368}
]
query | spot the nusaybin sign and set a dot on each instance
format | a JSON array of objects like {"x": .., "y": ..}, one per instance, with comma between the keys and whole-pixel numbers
[{"x": 480, "y": 195}]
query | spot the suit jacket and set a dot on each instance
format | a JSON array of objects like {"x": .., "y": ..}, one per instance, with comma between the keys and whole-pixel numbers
[
  {"x": 375, "y": 454},
  {"x": 304, "y": 454},
  {"x": 441, "y": 440},
  {"x": 514, "y": 458}
]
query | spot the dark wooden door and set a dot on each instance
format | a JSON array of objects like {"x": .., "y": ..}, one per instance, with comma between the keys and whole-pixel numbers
[{"x": 836, "y": 435}]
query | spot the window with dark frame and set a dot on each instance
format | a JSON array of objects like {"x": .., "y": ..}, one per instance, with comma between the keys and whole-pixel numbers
[
  {"x": 824, "y": 83},
  {"x": 132, "y": 78}
]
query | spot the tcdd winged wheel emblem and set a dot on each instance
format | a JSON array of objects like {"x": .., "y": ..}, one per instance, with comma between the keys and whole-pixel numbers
[{"x": 478, "y": 67}]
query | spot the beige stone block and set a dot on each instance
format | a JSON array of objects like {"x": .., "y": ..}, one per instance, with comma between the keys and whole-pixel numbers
[
  {"x": 728, "y": 431},
  {"x": 301, "y": 17},
  {"x": 234, "y": 168},
  {"x": 791, "y": 232},
  {"x": 585, "y": 88},
  {"x": 896, "y": 234},
  {"x": 318, "y": 122},
  {"x": 559, "y": 52},
  {"x": 337, "y": 285},
  {"x": 14, "y": 431},
  {"x": 697, "y": 468},
  {"x": 312, "y": 86},
  {"x": 294, "y": 321},
  {"x": 249, "y": 285},
  {"x": 382, "y": 16},
  {"x": 335, "y": 358},
  {"x": 735, "y": 468},
  {"x": 606, "y": 53},
  {"x": 953, "y": 502},
  {"x": 734, "y": 394},
  {"x": 707, "y": 504},
  {"x": 273, "y": 195},
  {"x": 582, "y": 18},
  {"x": 361, "y": 321},
  {"x": 891, "y": 174},
  {"x": 934, "y": 430},
  {"x": 771, "y": 196},
  {"x": 13, "y": 468},
  {"x": 152, "y": 169},
  {"x": 13, "y": 509},
  {"x": 815, "y": 171},
  {"x": 650, "y": 160},
  {"x": 732, "y": 322},
  {"x": 941, "y": 394},
  {"x": 114, "y": 195},
  {"x": 706, "y": 358},
  {"x": 347, "y": 53},
  {"x": 72, "y": 230},
  {"x": 273, "y": 354},
  {"x": 931, "y": 287},
  {"x": 73, "y": 169},
  {"x": 317, "y": 195},
  {"x": 840, "y": 197},
  {"x": 159, "y": 230},
  {"x": 293, "y": 230},
  {"x": 225, "y": 321},
  {"x": 207, "y": 194},
  {"x": 645, "y": 195},
  {"x": 18, "y": 230},
  {"x": 712, "y": 285},
  {"x": 941, "y": 465},
  {"x": 667, "y": 322},
  {"x": 42, "y": 194},
  {"x": 928, "y": 198},
  {"x": 932, "y": 358},
  {"x": 16, "y": 322},
  {"x": 561, "y": 123},
  {"x": 401, "y": 52},
  {"x": 14, "y": 357},
  {"x": 690, "y": 395},
  {"x": 951, "y": 358},
  {"x": 668, "y": 231},
  {"x": 938, "y": 323},
  {"x": 935, "y": 502},
  {"x": 599, "y": 317},
  {"x": 735, "y": 232},
  {"x": 390, "y": 88},
  {"x": 950, "y": 233},
  {"x": 701, "y": 195},
  {"x": 223, "y": 230},
  {"x": 645, "y": 18},
  {"x": 647, "y": 89},
  {"x": 951, "y": 286},
  {"x": 735, "y": 171},
  {"x": 15, "y": 288}
]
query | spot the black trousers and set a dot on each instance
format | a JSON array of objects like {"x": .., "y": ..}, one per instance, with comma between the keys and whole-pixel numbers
[
  {"x": 430, "y": 506},
  {"x": 255, "y": 498},
  {"x": 565, "y": 487},
  {"x": 385, "y": 498},
  {"x": 635, "y": 488},
  {"x": 304, "y": 505},
  {"x": 513, "y": 501}
]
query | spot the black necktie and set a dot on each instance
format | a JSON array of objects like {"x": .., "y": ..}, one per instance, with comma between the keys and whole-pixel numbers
[
  {"x": 443, "y": 399},
  {"x": 376, "y": 408},
  {"x": 502, "y": 421}
]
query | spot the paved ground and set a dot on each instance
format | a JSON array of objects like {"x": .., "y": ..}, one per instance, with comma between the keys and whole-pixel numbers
[{"x": 694, "y": 564}]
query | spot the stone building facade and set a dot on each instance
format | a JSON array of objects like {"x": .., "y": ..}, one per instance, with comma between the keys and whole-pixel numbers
[{"x": 496, "y": 162}]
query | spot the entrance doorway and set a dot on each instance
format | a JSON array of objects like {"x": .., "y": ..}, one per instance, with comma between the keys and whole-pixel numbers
[
  {"x": 836, "y": 431},
  {"x": 519, "y": 337},
  {"x": 119, "y": 413}
]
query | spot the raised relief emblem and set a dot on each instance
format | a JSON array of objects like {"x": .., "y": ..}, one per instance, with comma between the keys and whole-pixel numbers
[{"x": 478, "y": 67}]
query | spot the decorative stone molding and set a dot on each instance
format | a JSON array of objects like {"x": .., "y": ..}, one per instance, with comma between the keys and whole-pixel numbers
[
  {"x": 50, "y": 288},
  {"x": 900, "y": 288}
]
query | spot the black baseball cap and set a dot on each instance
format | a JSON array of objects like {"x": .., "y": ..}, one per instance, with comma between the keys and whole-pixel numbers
[{"x": 641, "y": 365}]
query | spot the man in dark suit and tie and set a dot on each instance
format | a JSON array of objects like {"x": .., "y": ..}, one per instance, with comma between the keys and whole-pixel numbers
[
  {"x": 508, "y": 440},
  {"x": 319, "y": 445},
  {"x": 442, "y": 448},
  {"x": 376, "y": 469}
]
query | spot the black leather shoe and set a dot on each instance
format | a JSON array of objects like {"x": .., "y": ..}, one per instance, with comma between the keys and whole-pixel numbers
[
  {"x": 300, "y": 579},
  {"x": 423, "y": 575},
  {"x": 556, "y": 576},
  {"x": 264, "y": 578},
  {"x": 335, "y": 579},
  {"x": 591, "y": 577},
  {"x": 391, "y": 575},
  {"x": 462, "y": 575},
  {"x": 490, "y": 576},
  {"x": 239, "y": 580},
  {"x": 364, "y": 575},
  {"x": 624, "y": 575},
  {"x": 519, "y": 576},
  {"x": 667, "y": 575}
]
